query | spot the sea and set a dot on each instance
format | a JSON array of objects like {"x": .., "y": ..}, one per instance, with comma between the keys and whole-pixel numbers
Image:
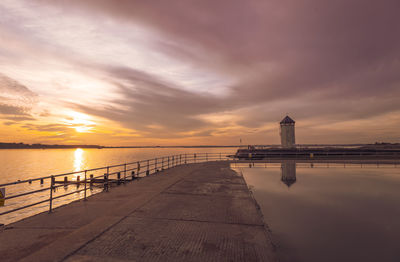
[{"x": 329, "y": 211}]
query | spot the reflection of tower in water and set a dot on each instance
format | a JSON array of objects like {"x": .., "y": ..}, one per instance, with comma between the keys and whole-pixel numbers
[{"x": 288, "y": 169}]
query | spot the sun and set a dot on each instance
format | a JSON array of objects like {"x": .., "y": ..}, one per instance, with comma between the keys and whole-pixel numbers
[
  {"x": 82, "y": 123},
  {"x": 83, "y": 129}
]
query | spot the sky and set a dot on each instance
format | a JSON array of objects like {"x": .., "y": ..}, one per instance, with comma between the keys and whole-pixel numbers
[{"x": 206, "y": 72}]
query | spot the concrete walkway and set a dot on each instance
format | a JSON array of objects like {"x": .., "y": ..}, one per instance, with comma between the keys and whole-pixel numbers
[{"x": 196, "y": 212}]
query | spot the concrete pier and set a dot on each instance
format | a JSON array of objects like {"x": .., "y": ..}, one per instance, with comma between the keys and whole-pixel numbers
[{"x": 196, "y": 212}]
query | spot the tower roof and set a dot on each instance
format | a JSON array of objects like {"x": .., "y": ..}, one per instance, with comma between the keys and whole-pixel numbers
[{"x": 287, "y": 120}]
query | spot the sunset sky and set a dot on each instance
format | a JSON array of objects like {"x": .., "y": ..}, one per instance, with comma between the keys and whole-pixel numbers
[{"x": 201, "y": 72}]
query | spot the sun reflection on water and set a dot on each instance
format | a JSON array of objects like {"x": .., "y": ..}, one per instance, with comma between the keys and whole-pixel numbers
[{"x": 78, "y": 160}]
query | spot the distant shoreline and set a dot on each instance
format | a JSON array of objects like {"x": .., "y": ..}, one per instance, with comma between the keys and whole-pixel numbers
[{"x": 43, "y": 146}]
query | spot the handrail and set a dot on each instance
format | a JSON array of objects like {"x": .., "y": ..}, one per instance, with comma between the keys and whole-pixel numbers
[{"x": 137, "y": 168}]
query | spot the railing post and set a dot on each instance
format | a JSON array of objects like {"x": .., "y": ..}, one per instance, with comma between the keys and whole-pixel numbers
[
  {"x": 206, "y": 157},
  {"x": 91, "y": 181},
  {"x": 124, "y": 173},
  {"x": 168, "y": 162},
  {"x": 138, "y": 169},
  {"x": 194, "y": 157},
  {"x": 118, "y": 178},
  {"x": 106, "y": 179},
  {"x": 84, "y": 197},
  {"x": 185, "y": 158},
  {"x": 51, "y": 193}
]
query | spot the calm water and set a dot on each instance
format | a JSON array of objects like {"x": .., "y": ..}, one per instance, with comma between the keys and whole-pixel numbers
[
  {"x": 329, "y": 212},
  {"x": 23, "y": 164}
]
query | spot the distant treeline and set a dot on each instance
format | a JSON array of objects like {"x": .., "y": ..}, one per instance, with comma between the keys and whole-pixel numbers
[
  {"x": 207, "y": 146},
  {"x": 42, "y": 146}
]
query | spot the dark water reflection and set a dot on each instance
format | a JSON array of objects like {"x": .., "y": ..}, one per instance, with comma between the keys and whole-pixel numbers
[{"x": 329, "y": 212}]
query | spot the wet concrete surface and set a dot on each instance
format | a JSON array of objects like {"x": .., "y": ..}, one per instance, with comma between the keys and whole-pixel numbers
[{"x": 196, "y": 212}]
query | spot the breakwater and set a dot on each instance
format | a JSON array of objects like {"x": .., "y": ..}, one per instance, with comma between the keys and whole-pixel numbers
[
  {"x": 192, "y": 212},
  {"x": 319, "y": 153}
]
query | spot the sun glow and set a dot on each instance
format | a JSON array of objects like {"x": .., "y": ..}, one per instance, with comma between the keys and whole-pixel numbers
[
  {"x": 80, "y": 122},
  {"x": 83, "y": 129}
]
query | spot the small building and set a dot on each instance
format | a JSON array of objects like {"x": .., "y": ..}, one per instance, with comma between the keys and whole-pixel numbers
[{"x": 287, "y": 132}]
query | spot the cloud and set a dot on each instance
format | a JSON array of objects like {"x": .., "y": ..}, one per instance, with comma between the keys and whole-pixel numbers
[
  {"x": 47, "y": 127},
  {"x": 147, "y": 101},
  {"x": 12, "y": 87},
  {"x": 12, "y": 110},
  {"x": 277, "y": 49},
  {"x": 15, "y": 100},
  {"x": 9, "y": 123},
  {"x": 187, "y": 64}
]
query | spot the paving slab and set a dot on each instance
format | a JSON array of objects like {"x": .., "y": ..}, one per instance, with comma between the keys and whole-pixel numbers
[
  {"x": 62, "y": 247},
  {"x": 202, "y": 208},
  {"x": 143, "y": 239},
  {"x": 210, "y": 189},
  {"x": 221, "y": 175},
  {"x": 19, "y": 243}
]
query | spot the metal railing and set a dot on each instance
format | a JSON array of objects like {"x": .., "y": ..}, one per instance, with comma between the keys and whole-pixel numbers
[{"x": 115, "y": 174}]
